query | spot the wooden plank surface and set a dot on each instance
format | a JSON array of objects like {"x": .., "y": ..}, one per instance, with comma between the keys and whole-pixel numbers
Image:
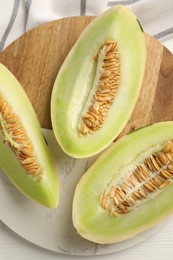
[{"x": 36, "y": 57}]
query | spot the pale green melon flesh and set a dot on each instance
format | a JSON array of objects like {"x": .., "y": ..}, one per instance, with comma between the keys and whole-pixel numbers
[
  {"x": 95, "y": 223},
  {"x": 71, "y": 87},
  {"x": 46, "y": 190}
]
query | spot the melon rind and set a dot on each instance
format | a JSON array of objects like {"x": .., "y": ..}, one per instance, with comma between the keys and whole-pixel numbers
[
  {"x": 70, "y": 87},
  {"x": 96, "y": 224},
  {"x": 46, "y": 190}
]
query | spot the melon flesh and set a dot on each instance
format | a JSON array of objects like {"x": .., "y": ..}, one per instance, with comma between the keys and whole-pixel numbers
[
  {"x": 44, "y": 188},
  {"x": 94, "y": 222},
  {"x": 74, "y": 82}
]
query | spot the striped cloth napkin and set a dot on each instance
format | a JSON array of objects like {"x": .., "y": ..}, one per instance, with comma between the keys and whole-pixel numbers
[{"x": 19, "y": 16}]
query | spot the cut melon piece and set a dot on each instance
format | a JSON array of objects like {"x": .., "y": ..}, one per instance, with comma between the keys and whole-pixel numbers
[
  {"x": 25, "y": 157},
  {"x": 98, "y": 84},
  {"x": 129, "y": 188}
]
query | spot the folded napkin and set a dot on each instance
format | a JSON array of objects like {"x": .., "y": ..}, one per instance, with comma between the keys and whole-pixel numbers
[{"x": 19, "y": 16}]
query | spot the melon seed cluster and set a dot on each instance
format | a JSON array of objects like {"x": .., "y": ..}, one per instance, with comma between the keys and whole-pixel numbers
[
  {"x": 107, "y": 86},
  {"x": 152, "y": 176},
  {"x": 15, "y": 136}
]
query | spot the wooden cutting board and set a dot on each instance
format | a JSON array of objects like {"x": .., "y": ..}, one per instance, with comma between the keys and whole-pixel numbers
[{"x": 36, "y": 57}]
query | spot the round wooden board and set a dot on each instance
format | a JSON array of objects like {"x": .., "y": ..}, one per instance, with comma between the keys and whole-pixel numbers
[{"x": 36, "y": 57}]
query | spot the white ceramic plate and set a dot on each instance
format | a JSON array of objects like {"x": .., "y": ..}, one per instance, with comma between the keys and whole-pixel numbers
[{"x": 52, "y": 228}]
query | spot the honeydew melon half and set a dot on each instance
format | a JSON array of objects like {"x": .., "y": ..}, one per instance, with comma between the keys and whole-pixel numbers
[
  {"x": 24, "y": 154},
  {"x": 108, "y": 204},
  {"x": 98, "y": 84}
]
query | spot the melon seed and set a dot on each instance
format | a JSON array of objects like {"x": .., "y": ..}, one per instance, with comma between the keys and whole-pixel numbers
[
  {"x": 15, "y": 136},
  {"x": 109, "y": 82},
  {"x": 165, "y": 184},
  {"x": 153, "y": 175}
]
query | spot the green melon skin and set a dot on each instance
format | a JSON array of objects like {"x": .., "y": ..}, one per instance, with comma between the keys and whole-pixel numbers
[
  {"x": 71, "y": 87},
  {"x": 46, "y": 190},
  {"x": 95, "y": 223}
]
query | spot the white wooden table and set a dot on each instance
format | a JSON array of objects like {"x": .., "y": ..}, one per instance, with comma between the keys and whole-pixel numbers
[{"x": 158, "y": 247}]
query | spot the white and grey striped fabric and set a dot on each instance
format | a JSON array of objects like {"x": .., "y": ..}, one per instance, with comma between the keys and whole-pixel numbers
[{"x": 19, "y": 16}]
